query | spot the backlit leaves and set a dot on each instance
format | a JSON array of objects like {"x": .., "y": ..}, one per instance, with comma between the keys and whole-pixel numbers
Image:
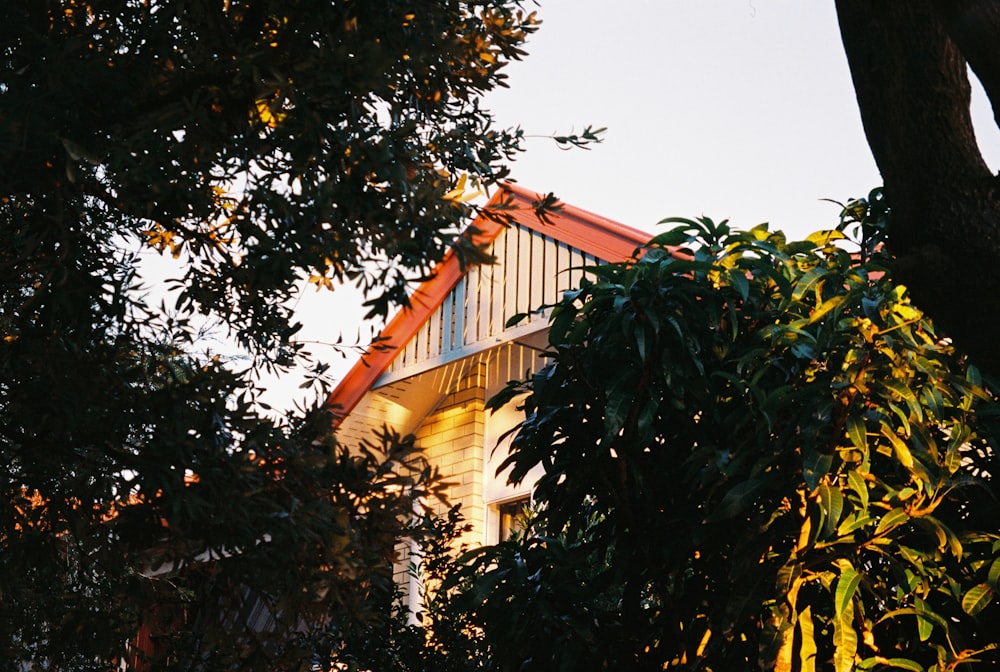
[
  {"x": 258, "y": 146},
  {"x": 759, "y": 426}
]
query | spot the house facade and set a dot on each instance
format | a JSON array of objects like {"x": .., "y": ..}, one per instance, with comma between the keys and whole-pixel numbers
[{"x": 452, "y": 349}]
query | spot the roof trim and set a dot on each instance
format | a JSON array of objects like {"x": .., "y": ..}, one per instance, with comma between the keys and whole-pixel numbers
[{"x": 590, "y": 233}]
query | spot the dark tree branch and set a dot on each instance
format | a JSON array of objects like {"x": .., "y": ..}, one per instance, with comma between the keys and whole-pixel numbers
[
  {"x": 913, "y": 91},
  {"x": 974, "y": 25}
]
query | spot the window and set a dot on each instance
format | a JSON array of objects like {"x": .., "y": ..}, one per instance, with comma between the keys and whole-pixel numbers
[{"x": 513, "y": 517}]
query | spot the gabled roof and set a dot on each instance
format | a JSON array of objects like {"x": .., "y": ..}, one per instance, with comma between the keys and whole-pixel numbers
[{"x": 591, "y": 234}]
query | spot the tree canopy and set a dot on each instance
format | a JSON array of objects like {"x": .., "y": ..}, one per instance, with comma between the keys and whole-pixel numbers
[
  {"x": 262, "y": 144},
  {"x": 758, "y": 455}
]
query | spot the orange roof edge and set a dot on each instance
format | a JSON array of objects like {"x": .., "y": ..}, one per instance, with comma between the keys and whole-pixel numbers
[{"x": 593, "y": 234}]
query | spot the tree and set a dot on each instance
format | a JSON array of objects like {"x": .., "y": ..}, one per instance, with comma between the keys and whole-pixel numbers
[
  {"x": 758, "y": 455},
  {"x": 909, "y": 61},
  {"x": 261, "y": 143}
]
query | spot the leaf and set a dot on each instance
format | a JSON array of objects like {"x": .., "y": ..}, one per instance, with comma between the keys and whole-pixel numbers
[
  {"x": 892, "y": 520},
  {"x": 847, "y": 586},
  {"x": 737, "y": 499},
  {"x": 807, "y": 646},
  {"x": 857, "y": 483},
  {"x": 783, "y": 661},
  {"x": 993, "y": 578},
  {"x": 456, "y": 193},
  {"x": 976, "y": 599},
  {"x": 925, "y": 626},
  {"x": 822, "y": 238},
  {"x": 902, "y": 451},
  {"x": 853, "y": 523},
  {"x": 904, "y": 664},
  {"x": 857, "y": 432},
  {"x": 845, "y": 639},
  {"x": 620, "y": 397},
  {"x": 815, "y": 465},
  {"x": 832, "y": 501},
  {"x": 738, "y": 279},
  {"x": 807, "y": 281},
  {"x": 821, "y": 310},
  {"x": 515, "y": 319}
]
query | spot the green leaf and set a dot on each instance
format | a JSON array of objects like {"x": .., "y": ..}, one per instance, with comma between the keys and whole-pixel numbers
[
  {"x": 857, "y": 483},
  {"x": 847, "y": 586},
  {"x": 832, "y": 501},
  {"x": 619, "y": 401},
  {"x": 825, "y": 237},
  {"x": 892, "y": 520},
  {"x": 738, "y": 279},
  {"x": 815, "y": 465},
  {"x": 925, "y": 626},
  {"x": 976, "y": 599},
  {"x": 808, "y": 281},
  {"x": 857, "y": 432},
  {"x": 902, "y": 451},
  {"x": 737, "y": 499},
  {"x": 807, "y": 645},
  {"x": 821, "y": 310},
  {"x": 904, "y": 664},
  {"x": 853, "y": 523},
  {"x": 845, "y": 638},
  {"x": 993, "y": 578},
  {"x": 515, "y": 319}
]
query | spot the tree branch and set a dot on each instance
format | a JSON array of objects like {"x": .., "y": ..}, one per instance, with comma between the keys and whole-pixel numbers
[
  {"x": 974, "y": 25},
  {"x": 913, "y": 92}
]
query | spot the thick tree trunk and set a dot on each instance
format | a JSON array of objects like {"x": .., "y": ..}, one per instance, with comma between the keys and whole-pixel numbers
[{"x": 908, "y": 62}]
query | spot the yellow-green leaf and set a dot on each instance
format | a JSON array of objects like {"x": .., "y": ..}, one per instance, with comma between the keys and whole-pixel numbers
[
  {"x": 902, "y": 451},
  {"x": 845, "y": 639},
  {"x": 892, "y": 520},
  {"x": 857, "y": 433},
  {"x": 847, "y": 585},
  {"x": 976, "y": 599},
  {"x": 832, "y": 502},
  {"x": 925, "y": 626},
  {"x": 807, "y": 648}
]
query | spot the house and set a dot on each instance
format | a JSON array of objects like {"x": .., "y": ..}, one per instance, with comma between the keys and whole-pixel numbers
[{"x": 451, "y": 350}]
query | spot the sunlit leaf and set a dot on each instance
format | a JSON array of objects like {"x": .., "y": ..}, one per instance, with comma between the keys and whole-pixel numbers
[
  {"x": 892, "y": 520},
  {"x": 976, "y": 599},
  {"x": 857, "y": 432},
  {"x": 845, "y": 638},
  {"x": 807, "y": 647},
  {"x": 847, "y": 586}
]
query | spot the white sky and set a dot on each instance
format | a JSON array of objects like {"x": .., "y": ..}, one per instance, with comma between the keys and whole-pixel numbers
[{"x": 739, "y": 109}]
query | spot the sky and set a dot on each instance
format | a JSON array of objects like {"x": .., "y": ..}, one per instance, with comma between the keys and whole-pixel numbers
[{"x": 738, "y": 109}]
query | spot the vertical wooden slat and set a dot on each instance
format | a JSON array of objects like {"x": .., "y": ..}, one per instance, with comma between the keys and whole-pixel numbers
[
  {"x": 472, "y": 305},
  {"x": 550, "y": 278},
  {"x": 537, "y": 272},
  {"x": 524, "y": 264},
  {"x": 510, "y": 276},
  {"x": 446, "y": 320},
  {"x": 458, "y": 326},
  {"x": 435, "y": 323},
  {"x": 565, "y": 259},
  {"x": 497, "y": 286},
  {"x": 484, "y": 302}
]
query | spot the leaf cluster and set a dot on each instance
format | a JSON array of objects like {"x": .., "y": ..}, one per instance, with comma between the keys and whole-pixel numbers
[
  {"x": 761, "y": 456},
  {"x": 254, "y": 144}
]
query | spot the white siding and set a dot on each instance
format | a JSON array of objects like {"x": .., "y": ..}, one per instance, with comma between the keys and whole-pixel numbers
[{"x": 531, "y": 271}]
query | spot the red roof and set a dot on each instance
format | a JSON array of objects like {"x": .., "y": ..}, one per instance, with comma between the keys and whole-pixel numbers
[{"x": 585, "y": 231}]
